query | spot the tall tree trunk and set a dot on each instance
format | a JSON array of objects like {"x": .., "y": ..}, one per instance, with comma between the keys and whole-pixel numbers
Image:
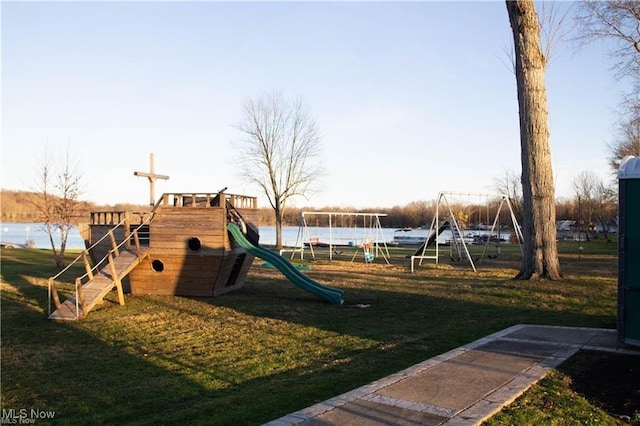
[{"x": 540, "y": 257}]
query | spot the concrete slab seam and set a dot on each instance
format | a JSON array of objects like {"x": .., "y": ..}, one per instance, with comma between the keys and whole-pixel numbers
[
  {"x": 478, "y": 412},
  {"x": 411, "y": 371},
  {"x": 315, "y": 410},
  {"x": 536, "y": 342},
  {"x": 557, "y": 358},
  {"x": 497, "y": 335},
  {"x": 621, "y": 351},
  {"x": 505, "y": 394},
  {"x": 449, "y": 355},
  {"x": 288, "y": 420},
  {"x": 536, "y": 372},
  {"x": 343, "y": 399},
  {"x": 566, "y": 327},
  {"x": 339, "y": 401},
  {"x": 456, "y": 421},
  {"x": 474, "y": 415},
  {"x": 279, "y": 422},
  {"x": 517, "y": 386},
  {"x": 411, "y": 405}
]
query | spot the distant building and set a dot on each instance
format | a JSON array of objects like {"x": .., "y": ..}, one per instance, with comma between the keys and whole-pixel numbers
[
  {"x": 612, "y": 226},
  {"x": 565, "y": 225}
]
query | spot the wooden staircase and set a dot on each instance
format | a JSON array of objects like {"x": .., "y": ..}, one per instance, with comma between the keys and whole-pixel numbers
[
  {"x": 102, "y": 278},
  {"x": 92, "y": 293}
]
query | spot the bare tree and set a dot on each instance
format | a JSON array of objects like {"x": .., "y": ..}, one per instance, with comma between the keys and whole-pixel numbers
[
  {"x": 584, "y": 189},
  {"x": 596, "y": 202},
  {"x": 553, "y": 29},
  {"x": 627, "y": 143},
  {"x": 58, "y": 203},
  {"x": 510, "y": 184},
  {"x": 419, "y": 212},
  {"x": 279, "y": 150},
  {"x": 617, "y": 21},
  {"x": 540, "y": 256}
]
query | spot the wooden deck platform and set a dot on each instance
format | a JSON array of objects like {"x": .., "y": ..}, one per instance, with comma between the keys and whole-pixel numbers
[{"x": 94, "y": 291}]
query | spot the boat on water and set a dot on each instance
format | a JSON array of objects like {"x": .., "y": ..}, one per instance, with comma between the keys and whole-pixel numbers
[
  {"x": 416, "y": 237},
  {"x": 409, "y": 240}
]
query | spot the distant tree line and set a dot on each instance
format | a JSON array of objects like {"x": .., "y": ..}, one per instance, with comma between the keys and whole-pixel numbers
[
  {"x": 589, "y": 213},
  {"x": 589, "y": 210},
  {"x": 19, "y": 206}
]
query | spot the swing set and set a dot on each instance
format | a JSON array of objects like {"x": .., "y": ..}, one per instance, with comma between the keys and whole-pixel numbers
[
  {"x": 456, "y": 222},
  {"x": 360, "y": 230}
]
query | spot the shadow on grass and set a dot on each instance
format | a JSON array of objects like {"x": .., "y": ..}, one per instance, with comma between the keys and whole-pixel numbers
[
  {"x": 416, "y": 300},
  {"x": 171, "y": 359},
  {"x": 87, "y": 379},
  {"x": 609, "y": 381}
]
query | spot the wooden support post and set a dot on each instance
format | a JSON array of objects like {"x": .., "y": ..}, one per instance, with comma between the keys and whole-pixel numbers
[
  {"x": 136, "y": 240},
  {"x": 54, "y": 293},
  {"x": 116, "y": 279},
  {"x": 80, "y": 297},
  {"x": 127, "y": 229},
  {"x": 114, "y": 244},
  {"x": 87, "y": 264}
]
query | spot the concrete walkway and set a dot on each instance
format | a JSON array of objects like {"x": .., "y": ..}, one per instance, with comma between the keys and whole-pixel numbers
[{"x": 463, "y": 386}]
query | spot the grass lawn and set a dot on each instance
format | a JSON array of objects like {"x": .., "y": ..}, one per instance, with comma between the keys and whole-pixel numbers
[{"x": 270, "y": 348}]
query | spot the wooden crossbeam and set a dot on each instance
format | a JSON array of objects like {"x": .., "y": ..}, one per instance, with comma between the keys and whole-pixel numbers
[{"x": 152, "y": 176}]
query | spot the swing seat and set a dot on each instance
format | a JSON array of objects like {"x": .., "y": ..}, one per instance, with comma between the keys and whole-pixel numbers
[{"x": 368, "y": 257}]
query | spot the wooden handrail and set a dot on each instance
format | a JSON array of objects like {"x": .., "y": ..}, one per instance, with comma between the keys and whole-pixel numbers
[
  {"x": 53, "y": 292},
  {"x": 74, "y": 261},
  {"x": 115, "y": 248}
]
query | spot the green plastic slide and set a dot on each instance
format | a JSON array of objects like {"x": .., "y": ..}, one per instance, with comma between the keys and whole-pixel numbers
[{"x": 330, "y": 294}]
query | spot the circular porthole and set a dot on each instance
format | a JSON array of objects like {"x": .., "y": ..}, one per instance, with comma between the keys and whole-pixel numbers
[
  {"x": 157, "y": 265},
  {"x": 194, "y": 244}
]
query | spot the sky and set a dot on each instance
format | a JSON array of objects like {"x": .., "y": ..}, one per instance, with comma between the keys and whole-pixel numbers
[{"x": 411, "y": 98}]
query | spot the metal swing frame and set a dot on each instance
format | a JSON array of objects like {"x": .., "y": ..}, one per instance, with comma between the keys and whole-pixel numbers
[
  {"x": 378, "y": 247},
  {"x": 458, "y": 235}
]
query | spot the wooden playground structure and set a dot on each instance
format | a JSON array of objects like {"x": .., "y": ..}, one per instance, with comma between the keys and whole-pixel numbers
[
  {"x": 181, "y": 247},
  {"x": 190, "y": 244}
]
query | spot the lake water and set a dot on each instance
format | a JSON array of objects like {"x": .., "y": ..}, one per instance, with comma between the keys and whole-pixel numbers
[
  {"x": 292, "y": 236},
  {"x": 21, "y": 233},
  {"x": 339, "y": 236}
]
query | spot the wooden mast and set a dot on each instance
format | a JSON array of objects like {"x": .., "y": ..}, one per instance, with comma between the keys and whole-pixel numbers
[{"x": 152, "y": 179}]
